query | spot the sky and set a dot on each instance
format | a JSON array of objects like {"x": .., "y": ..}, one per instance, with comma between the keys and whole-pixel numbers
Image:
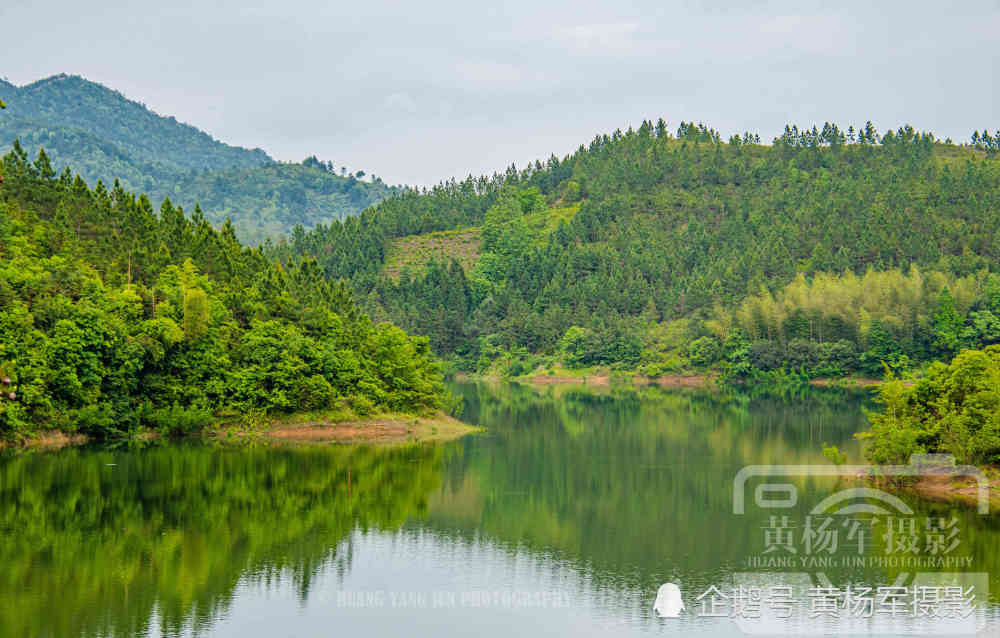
[{"x": 417, "y": 92}]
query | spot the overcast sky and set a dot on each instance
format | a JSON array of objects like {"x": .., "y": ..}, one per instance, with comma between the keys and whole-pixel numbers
[{"x": 421, "y": 91}]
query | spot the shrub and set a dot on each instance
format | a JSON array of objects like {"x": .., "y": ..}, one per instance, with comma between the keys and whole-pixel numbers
[
  {"x": 177, "y": 420},
  {"x": 838, "y": 357},
  {"x": 362, "y": 405},
  {"x": 954, "y": 410},
  {"x": 314, "y": 393},
  {"x": 766, "y": 355},
  {"x": 704, "y": 351},
  {"x": 98, "y": 421},
  {"x": 802, "y": 354}
]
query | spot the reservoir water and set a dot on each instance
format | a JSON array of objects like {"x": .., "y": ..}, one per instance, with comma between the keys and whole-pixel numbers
[{"x": 563, "y": 519}]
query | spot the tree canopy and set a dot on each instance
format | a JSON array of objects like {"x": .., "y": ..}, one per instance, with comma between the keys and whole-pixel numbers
[
  {"x": 115, "y": 316},
  {"x": 103, "y": 135},
  {"x": 645, "y": 241}
]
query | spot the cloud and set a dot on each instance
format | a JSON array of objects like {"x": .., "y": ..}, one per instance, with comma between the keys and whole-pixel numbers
[
  {"x": 400, "y": 102},
  {"x": 477, "y": 86},
  {"x": 491, "y": 76},
  {"x": 806, "y": 34},
  {"x": 615, "y": 35}
]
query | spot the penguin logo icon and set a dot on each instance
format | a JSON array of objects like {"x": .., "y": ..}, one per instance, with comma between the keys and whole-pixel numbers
[{"x": 669, "y": 603}]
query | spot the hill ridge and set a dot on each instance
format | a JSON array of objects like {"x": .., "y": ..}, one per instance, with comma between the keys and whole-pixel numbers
[
  {"x": 104, "y": 135},
  {"x": 670, "y": 253},
  {"x": 75, "y": 102}
]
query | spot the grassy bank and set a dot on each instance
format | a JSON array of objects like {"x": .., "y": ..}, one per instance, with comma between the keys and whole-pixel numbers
[
  {"x": 311, "y": 427},
  {"x": 379, "y": 429}
]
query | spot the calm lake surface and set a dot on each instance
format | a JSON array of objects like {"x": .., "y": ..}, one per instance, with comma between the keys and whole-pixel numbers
[{"x": 563, "y": 519}]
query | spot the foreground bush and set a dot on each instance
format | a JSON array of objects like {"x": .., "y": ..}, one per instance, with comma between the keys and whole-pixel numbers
[{"x": 954, "y": 410}]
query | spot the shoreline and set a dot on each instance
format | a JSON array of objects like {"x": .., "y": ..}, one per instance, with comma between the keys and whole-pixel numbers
[
  {"x": 385, "y": 429},
  {"x": 956, "y": 491},
  {"x": 598, "y": 379},
  {"x": 379, "y": 429},
  {"x": 601, "y": 378},
  {"x": 943, "y": 489}
]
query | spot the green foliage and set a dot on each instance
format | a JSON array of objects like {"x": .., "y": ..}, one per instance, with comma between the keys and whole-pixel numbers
[
  {"x": 576, "y": 347},
  {"x": 835, "y": 456},
  {"x": 986, "y": 142},
  {"x": 830, "y": 325},
  {"x": 270, "y": 201},
  {"x": 70, "y": 105},
  {"x": 954, "y": 410},
  {"x": 582, "y": 347},
  {"x": 669, "y": 228},
  {"x": 947, "y": 324},
  {"x": 114, "y": 318},
  {"x": 705, "y": 351},
  {"x": 103, "y": 135},
  {"x": 571, "y": 191},
  {"x": 97, "y": 420},
  {"x": 196, "y": 314},
  {"x": 176, "y": 420}
]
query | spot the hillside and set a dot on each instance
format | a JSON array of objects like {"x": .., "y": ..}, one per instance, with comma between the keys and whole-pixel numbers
[
  {"x": 828, "y": 251},
  {"x": 115, "y": 317},
  {"x": 103, "y": 135},
  {"x": 271, "y": 200},
  {"x": 65, "y": 102}
]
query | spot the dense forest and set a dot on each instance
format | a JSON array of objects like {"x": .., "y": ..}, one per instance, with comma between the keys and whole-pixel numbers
[
  {"x": 102, "y": 135},
  {"x": 826, "y": 252},
  {"x": 116, "y": 317},
  {"x": 269, "y": 201}
]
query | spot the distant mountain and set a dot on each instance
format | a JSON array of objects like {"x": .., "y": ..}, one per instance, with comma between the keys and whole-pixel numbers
[
  {"x": 270, "y": 200},
  {"x": 68, "y": 102},
  {"x": 101, "y": 134}
]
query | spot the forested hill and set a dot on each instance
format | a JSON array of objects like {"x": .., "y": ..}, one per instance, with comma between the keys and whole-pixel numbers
[
  {"x": 103, "y": 135},
  {"x": 115, "y": 316},
  {"x": 71, "y": 102},
  {"x": 671, "y": 251}
]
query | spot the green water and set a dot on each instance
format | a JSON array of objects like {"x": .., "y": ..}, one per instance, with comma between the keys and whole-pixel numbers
[{"x": 563, "y": 519}]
